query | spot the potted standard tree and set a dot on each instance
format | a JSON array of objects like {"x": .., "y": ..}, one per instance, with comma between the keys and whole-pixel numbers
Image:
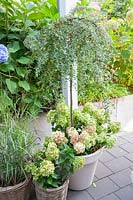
[{"x": 74, "y": 39}]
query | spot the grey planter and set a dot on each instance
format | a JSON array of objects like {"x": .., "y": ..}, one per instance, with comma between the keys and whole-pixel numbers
[{"x": 83, "y": 178}]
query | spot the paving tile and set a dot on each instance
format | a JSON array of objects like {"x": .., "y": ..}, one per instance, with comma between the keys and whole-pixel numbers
[
  {"x": 129, "y": 156},
  {"x": 121, "y": 133},
  {"x": 102, "y": 171},
  {"x": 110, "y": 197},
  {"x": 106, "y": 157},
  {"x": 103, "y": 187},
  {"x": 131, "y": 168},
  {"x": 122, "y": 178},
  {"x": 117, "y": 152},
  {"x": 95, "y": 179},
  {"x": 128, "y": 137},
  {"x": 118, "y": 164},
  {"x": 125, "y": 193},
  {"x": 120, "y": 141},
  {"x": 128, "y": 147},
  {"x": 78, "y": 195}
]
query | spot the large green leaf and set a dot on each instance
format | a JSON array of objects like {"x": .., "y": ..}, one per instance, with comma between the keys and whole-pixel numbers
[
  {"x": 24, "y": 84},
  {"x": 11, "y": 85},
  {"x": 34, "y": 16},
  {"x": 23, "y": 60},
  {"x": 7, "y": 67},
  {"x": 14, "y": 47}
]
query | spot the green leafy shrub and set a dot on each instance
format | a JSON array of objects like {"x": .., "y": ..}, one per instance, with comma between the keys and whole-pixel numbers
[
  {"x": 21, "y": 89},
  {"x": 116, "y": 8},
  {"x": 94, "y": 91},
  {"x": 122, "y": 62}
]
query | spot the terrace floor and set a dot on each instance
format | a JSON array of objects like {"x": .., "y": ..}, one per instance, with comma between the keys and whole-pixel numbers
[{"x": 113, "y": 176}]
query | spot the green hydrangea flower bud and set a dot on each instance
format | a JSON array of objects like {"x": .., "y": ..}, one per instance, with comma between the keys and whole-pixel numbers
[
  {"x": 114, "y": 127},
  {"x": 129, "y": 17},
  {"x": 31, "y": 168},
  {"x": 79, "y": 162},
  {"x": 46, "y": 168},
  {"x": 52, "y": 152}
]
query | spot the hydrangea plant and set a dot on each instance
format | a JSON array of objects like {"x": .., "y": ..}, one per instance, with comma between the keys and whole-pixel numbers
[
  {"x": 92, "y": 128},
  {"x": 52, "y": 165},
  {"x": 3, "y": 53}
]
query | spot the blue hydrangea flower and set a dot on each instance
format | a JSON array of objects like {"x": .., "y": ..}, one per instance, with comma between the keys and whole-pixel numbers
[{"x": 3, "y": 53}]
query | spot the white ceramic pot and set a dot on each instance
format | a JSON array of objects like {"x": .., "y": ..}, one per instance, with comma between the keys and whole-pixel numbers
[{"x": 83, "y": 178}]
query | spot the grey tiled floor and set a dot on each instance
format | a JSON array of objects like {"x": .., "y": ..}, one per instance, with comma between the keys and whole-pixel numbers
[{"x": 113, "y": 174}]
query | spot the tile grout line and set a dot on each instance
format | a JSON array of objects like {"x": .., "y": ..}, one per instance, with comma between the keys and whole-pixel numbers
[
  {"x": 89, "y": 193},
  {"x": 113, "y": 174}
]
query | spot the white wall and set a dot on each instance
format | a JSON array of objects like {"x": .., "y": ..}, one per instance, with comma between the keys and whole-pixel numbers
[{"x": 65, "y": 6}]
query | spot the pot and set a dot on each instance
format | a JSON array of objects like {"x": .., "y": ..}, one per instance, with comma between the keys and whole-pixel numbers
[
  {"x": 83, "y": 178},
  {"x": 59, "y": 193},
  {"x": 20, "y": 191}
]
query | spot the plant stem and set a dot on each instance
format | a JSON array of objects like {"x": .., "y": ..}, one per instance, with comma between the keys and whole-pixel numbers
[
  {"x": 6, "y": 21},
  {"x": 71, "y": 102},
  {"x": 10, "y": 76}
]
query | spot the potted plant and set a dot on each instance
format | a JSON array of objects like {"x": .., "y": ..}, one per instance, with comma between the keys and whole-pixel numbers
[
  {"x": 15, "y": 149},
  {"x": 79, "y": 40},
  {"x": 51, "y": 167},
  {"x": 92, "y": 131}
]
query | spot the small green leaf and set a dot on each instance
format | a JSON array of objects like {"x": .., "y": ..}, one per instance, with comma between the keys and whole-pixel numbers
[
  {"x": 21, "y": 71},
  {"x": 50, "y": 180},
  {"x": 13, "y": 47},
  {"x": 29, "y": 23},
  {"x": 37, "y": 103},
  {"x": 23, "y": 60},
  {"x": 132, "y": 62},
  {"x": 13, "y": 36},
  {"x": 11, "y": 85},
  {"x": 55, "y": 176},
  {"x": 54, "y": 184},
  {"x": 125, "y": 53},
  {"x": 2, "y": 35},
  {"x": 24, "y": 84},
  {"x": 30, "y": 5},
  {"x": 5, "y": 99}
]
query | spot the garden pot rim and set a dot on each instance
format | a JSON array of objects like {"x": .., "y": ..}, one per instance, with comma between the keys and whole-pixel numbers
[
  {"x": 48, "y": 190},
  {"x": 17, "y": 186},
  {"x": 94, "y": 153}
]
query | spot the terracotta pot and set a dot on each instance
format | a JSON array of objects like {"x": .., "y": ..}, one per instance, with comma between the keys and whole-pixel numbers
[
  {"x": 83, "y": 178},
  {"x": 20, "y": 191},
  {"x": 59, "y": 193}
]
